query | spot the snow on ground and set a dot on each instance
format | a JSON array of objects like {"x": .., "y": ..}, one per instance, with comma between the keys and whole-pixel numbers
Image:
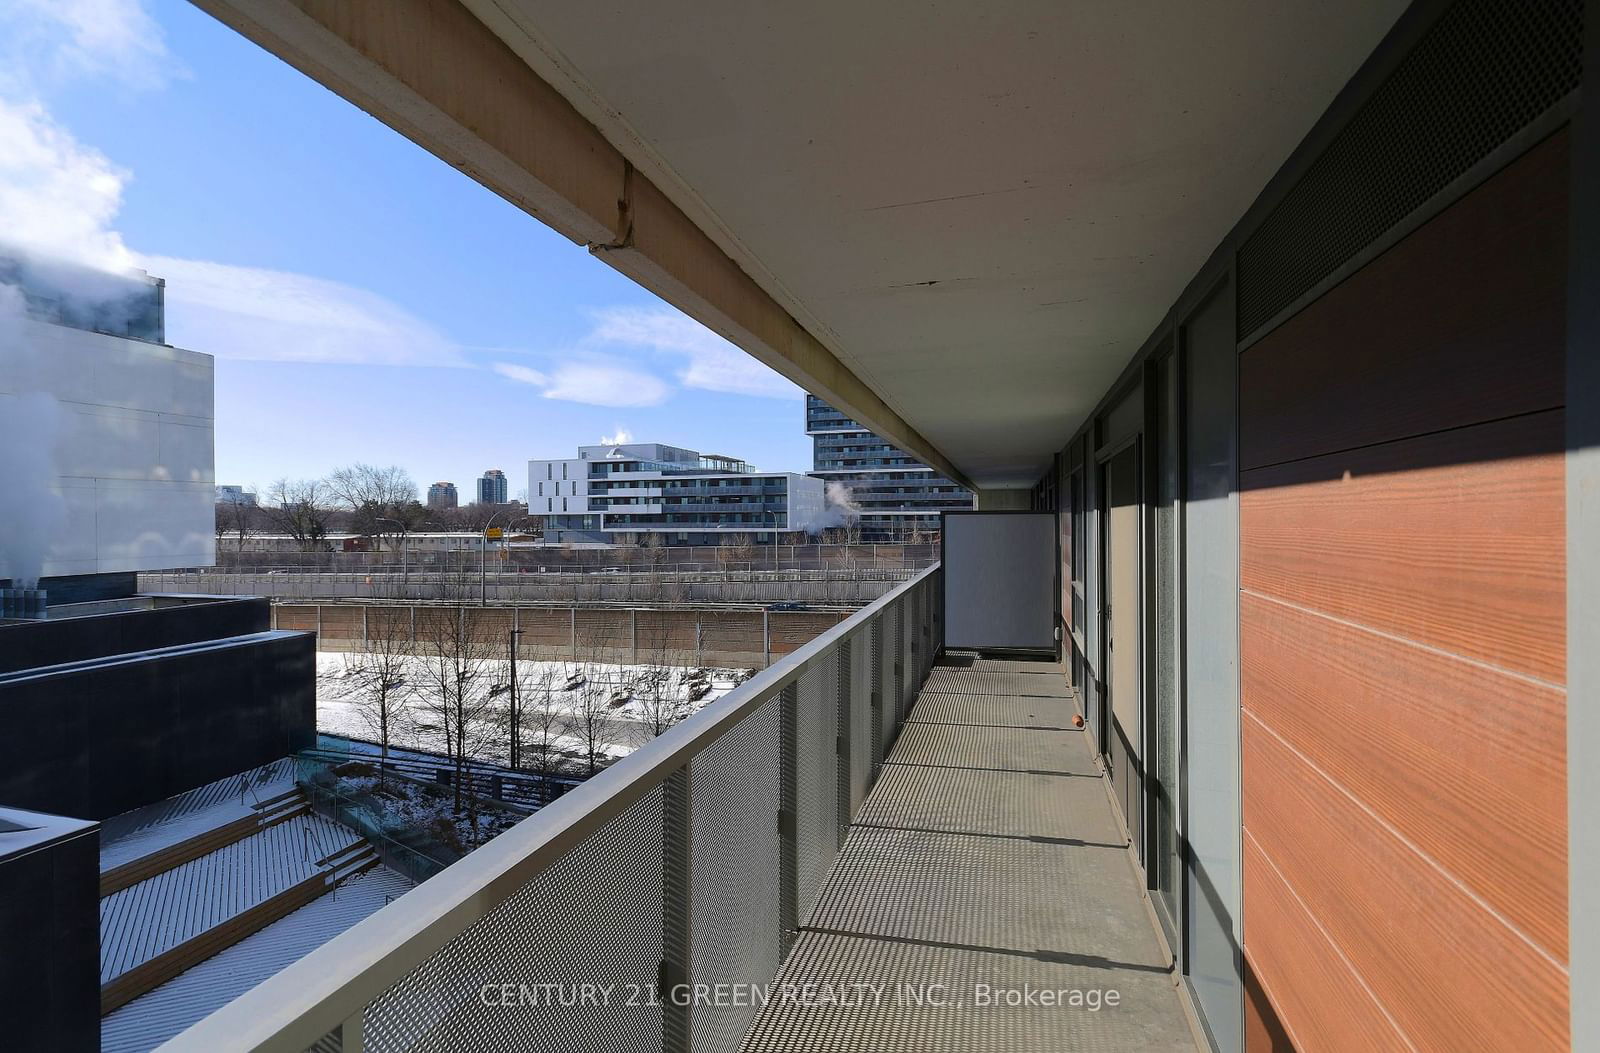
[
  {"x": 152, "y": 1018},
  {"x": 157, "y": 914},
  {"x": 139, "y": 832},
  {"x": 627, "y": 726}
]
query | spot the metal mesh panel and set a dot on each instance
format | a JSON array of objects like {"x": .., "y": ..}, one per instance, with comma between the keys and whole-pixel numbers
[
  {"x": 592, "y": 918},
  {"x": 817, "y": 779},
  {"x": 735, "y": 867},
  {"x": 1486, "y": 69},
  {"x": 913, "y": 629},
  {"x": 919, "y": 638},
  {"x": 861, "y": 729},
  {"x": 332, "y": 1042},
  {"x": 908, "y": 652},
  {"x": 883, "y": 645},
  {"x": 926, "y": 628}
]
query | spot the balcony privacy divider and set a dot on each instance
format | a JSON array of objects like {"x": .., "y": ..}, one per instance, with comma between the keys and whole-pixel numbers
[{"x": 606, "y": 920}]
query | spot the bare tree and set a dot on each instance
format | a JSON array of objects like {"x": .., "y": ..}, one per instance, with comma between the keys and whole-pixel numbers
[
  {"x": 455, "y": 655},
  {"x": 736, "y": 548},
  {"x": 379, "y": 672},
  {"x": 658, "y": 691},
  {"x": 591, "y": 714},
  {"x": 544, "y": 721},
  {"x": 236, "y": 519},
  {"x": 375, "y": 498},
  {"x": 300, "y": 508}
]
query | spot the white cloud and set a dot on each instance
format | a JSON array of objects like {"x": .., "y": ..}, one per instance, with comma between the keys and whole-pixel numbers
[
  {"x": 621, "y": 438},
  {"x": 712, "y": 363},
  {"x": 58, "y": 197},
  {"x": 600, "y": 384},
  {"x": 59, "y": 201},
  {"x": 253, "y": 313},
  {"x": 522, "y": 374},
  {"x": 50, "y": 41},
  {"x": 594, "y": 382}
]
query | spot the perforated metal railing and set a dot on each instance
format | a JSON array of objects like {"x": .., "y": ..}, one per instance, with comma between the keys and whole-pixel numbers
[{"x": 643, "y": 910}]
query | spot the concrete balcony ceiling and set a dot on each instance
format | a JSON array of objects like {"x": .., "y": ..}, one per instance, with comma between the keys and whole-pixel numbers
[{"x": 976, "y": 212}]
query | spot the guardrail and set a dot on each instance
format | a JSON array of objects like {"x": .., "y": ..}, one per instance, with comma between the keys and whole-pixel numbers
[
  {"x": 419, "y": 555},
  {"x": 522, "y": 789},
  {"x": 409, "y": 860},
  {"x": 686, "y": 863},
  {"x": 608, "y": 585}
]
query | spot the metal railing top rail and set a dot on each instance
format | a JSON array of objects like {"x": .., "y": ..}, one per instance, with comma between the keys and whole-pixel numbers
[
  {"x": 295, "y": 1008},
  {"x": 740, "y": 572}
]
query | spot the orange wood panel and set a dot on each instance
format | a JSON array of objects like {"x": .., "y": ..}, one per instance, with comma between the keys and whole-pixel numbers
[
  {"x": 1452, "y": 974},
  {"x": 341, "y": 621},
  {"x": 1263, "y": 1028},
  {"x": 545, "y": 626},
  {"x": 603, "y": 633},
  {"x": 1454, "y": 540},
  {"x": 1466, "y": 763},
  {"x": 1461, "y": 322},
  {"x": 792, "y": 631},
  {"x": 301, "y": 617},
  {"x": 1312, "y": 990}
]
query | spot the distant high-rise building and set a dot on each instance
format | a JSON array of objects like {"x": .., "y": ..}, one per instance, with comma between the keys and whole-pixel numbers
[
  {"x": 890, "y": 492},
  {"x": 443, "y": 495},
  {"x": 235, "y": 495},
  {"x": 492, "y": 487}
]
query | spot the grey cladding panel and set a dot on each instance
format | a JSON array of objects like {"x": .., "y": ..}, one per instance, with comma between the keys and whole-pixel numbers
[{"x": 999, "y": 580}]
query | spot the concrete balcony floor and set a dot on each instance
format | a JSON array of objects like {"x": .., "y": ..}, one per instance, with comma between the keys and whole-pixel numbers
[{"x": 987, "y": 853}]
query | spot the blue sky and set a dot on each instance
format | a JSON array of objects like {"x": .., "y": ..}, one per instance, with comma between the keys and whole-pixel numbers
[{"x": 364, "y": 301}]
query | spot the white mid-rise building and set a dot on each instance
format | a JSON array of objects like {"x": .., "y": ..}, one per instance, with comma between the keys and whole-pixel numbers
[{"x": 686, "y": 497}]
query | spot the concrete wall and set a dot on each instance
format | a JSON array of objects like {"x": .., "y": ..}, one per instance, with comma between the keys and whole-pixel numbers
[
  {"x": 132, "y": 453},
  {"x": 727, "y": 637},
  {"x": 849, "y": 588}
]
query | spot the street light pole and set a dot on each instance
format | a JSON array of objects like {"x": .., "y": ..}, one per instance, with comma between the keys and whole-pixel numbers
[
  {"x": 483, "y": 561},
  {"x": 516, "y": 717}
]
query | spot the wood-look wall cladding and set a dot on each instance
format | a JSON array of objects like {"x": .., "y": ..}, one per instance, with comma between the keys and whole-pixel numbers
[
  {"x": 1463, "y": 762},
  {"x": 1312, "y": 986},
  {"x": 1403, "y": 637},
  {"x": 1468, "y": 556},
  {"x": 1463, "y": 321},
  {"x": 1451, "y": 975}
]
